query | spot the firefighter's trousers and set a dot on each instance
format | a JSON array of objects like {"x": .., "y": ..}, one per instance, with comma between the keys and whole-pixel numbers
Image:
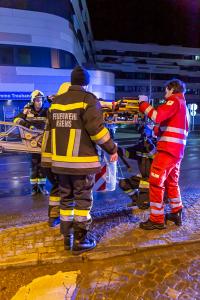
[
  {"x": 164, "y": 177},
  {"x": 76, "y": 202},
  {"x": 37, "y": 176},
  {"x": 54, "y": 197}
]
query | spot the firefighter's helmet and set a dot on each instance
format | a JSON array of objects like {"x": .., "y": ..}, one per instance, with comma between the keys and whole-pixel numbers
[
  {"x": 63, "y": 88},
  {"x": 35, "y": 94}
]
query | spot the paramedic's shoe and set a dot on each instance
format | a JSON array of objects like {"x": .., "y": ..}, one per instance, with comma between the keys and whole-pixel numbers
[
  {"x": 174, "y": 217},
  {"x": 149, "y": 225}
]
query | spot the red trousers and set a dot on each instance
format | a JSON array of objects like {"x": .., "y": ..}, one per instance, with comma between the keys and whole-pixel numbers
[{"x": 164, "y": 177}]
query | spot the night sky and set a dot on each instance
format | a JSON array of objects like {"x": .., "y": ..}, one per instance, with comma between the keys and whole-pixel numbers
[{"x": 164, "y": 22}]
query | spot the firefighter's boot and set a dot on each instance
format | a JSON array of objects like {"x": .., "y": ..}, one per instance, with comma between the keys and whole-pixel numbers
[
  {"x": 53, "y": 222},
  {"x": 149, "y": 225},
  {"x": 68, "y": 241},
  {"x": 34, "y": 190},
  {"x": 174, "y": 217},
  {"x": 83, "y": 241},
  {"x": 42, "y": 189}
]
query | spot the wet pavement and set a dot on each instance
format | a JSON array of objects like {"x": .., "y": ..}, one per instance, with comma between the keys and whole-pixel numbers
[
  {"x": 171, "y": 273},
  {"x": 128, "y": 263}
]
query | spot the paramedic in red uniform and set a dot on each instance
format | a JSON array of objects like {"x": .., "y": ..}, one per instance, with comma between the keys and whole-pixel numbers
[{"x": 172, "y": 121}]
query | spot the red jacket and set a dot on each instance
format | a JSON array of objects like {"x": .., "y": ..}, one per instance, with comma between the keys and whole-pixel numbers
[{"x": 172, "y": 119}]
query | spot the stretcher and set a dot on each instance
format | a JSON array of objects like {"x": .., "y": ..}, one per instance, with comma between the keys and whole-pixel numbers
[
  {"x": 17, "y": 138},
  {"x": 124, "y": 111}
]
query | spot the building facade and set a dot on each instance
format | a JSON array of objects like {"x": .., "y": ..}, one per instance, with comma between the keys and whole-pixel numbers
[
  {"x": 144, "y": 68},
  {"x": 40, "y": 43}
]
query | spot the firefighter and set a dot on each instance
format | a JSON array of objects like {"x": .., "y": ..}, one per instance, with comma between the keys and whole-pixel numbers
[
  {"x": 74, "y": 128},
  {"x": 54, "y": 199},
  {"x": 171, "y": 119},
  {"x": 35, "y": 110},
  {"x": 137, "y": 187}
]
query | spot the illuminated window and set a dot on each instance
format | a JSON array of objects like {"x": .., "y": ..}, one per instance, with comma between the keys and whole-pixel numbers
[{"x": 55, "y": 60}]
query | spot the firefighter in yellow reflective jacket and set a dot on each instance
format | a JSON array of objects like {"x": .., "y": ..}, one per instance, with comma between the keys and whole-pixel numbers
[
  {"x": 74, "y": 128},
  {"x": 30, "y": 117}
]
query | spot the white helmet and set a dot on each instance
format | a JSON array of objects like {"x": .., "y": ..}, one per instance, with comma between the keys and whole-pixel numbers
[{"x": 35, "y": 94}]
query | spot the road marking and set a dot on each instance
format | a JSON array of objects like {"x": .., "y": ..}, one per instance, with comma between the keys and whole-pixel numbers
[
  {"x": 17, "y": 163},
  {"x": 20, "y": 177}
]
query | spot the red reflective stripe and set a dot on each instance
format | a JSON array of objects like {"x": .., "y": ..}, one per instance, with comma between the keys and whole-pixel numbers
[
  {"x": 102, "y": 187},
  {"x": 99, "y": 175}
]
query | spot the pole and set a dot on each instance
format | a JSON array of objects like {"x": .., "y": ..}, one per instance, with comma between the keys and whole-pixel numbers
[{"x": 193, "y": 121}]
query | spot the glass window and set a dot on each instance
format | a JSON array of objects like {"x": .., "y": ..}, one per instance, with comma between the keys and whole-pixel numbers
[
  {"x": 36, "y": 57},
  {"x": 6, "y": 56},
  {"x": 41, "y": 57},
  {"x": 67, "y": 60},
  {"x": 24, "y": 56}
]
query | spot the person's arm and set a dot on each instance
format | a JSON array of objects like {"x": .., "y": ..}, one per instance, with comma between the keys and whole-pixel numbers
[
  {"x": 93, "y": 122},
  {"x": 21, "y": 118},
  {"x": 162, "y": 113}
]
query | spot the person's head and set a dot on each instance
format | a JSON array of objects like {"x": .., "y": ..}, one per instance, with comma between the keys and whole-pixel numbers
[
  {"x": 37, "y": 98},
  {"x": 174, "y": 86},
  {"x": 80, "y": 76}
]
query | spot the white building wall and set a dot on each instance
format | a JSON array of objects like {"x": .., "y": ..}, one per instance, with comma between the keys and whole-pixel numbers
[
  {"x": 23, "y": 27},
  {"x": 23, "y": 79},
  {"x": 30, "y": 28}
]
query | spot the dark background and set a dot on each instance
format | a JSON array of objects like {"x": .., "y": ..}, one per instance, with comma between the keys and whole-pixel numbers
[{"x": 165, "y": 22}]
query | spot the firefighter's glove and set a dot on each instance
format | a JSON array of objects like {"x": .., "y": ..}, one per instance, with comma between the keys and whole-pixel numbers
[
  {"x": 143, "y": 98},
  {"x": 32, "y": 127},
  {"x": 113, "y": 157}
]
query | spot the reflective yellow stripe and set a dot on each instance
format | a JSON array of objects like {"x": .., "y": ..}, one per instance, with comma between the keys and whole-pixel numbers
[
  {"x": 54, "y": 198},
  {"x": 128, "y": 191},
  {"x": 64, "y": 107},
  {"x": 99, "y": 135},
  {"x": 16, "y": 120},
  {"x": 44, "y": 141},
  {"x": 46, "y": 154},
  {"x": 70, "y": 147},
  {"x": 41, "y": 180},
  {"x": 75, "y": 158},
  {"x": 127, "y": 154},
  {"x": 144, "y": 184},
  {"x": 82, "y": 213},
  {"x": 54, "y": 141},
  {"x": 35, "y": 180},
  {"x": 66, "y": 212}
]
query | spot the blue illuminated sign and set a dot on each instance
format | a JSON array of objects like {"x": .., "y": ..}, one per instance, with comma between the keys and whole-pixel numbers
[{"x": 15, "y": 95}]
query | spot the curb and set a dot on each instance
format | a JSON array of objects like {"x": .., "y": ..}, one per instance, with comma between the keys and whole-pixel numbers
[{"x": 52, "y": 254}]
